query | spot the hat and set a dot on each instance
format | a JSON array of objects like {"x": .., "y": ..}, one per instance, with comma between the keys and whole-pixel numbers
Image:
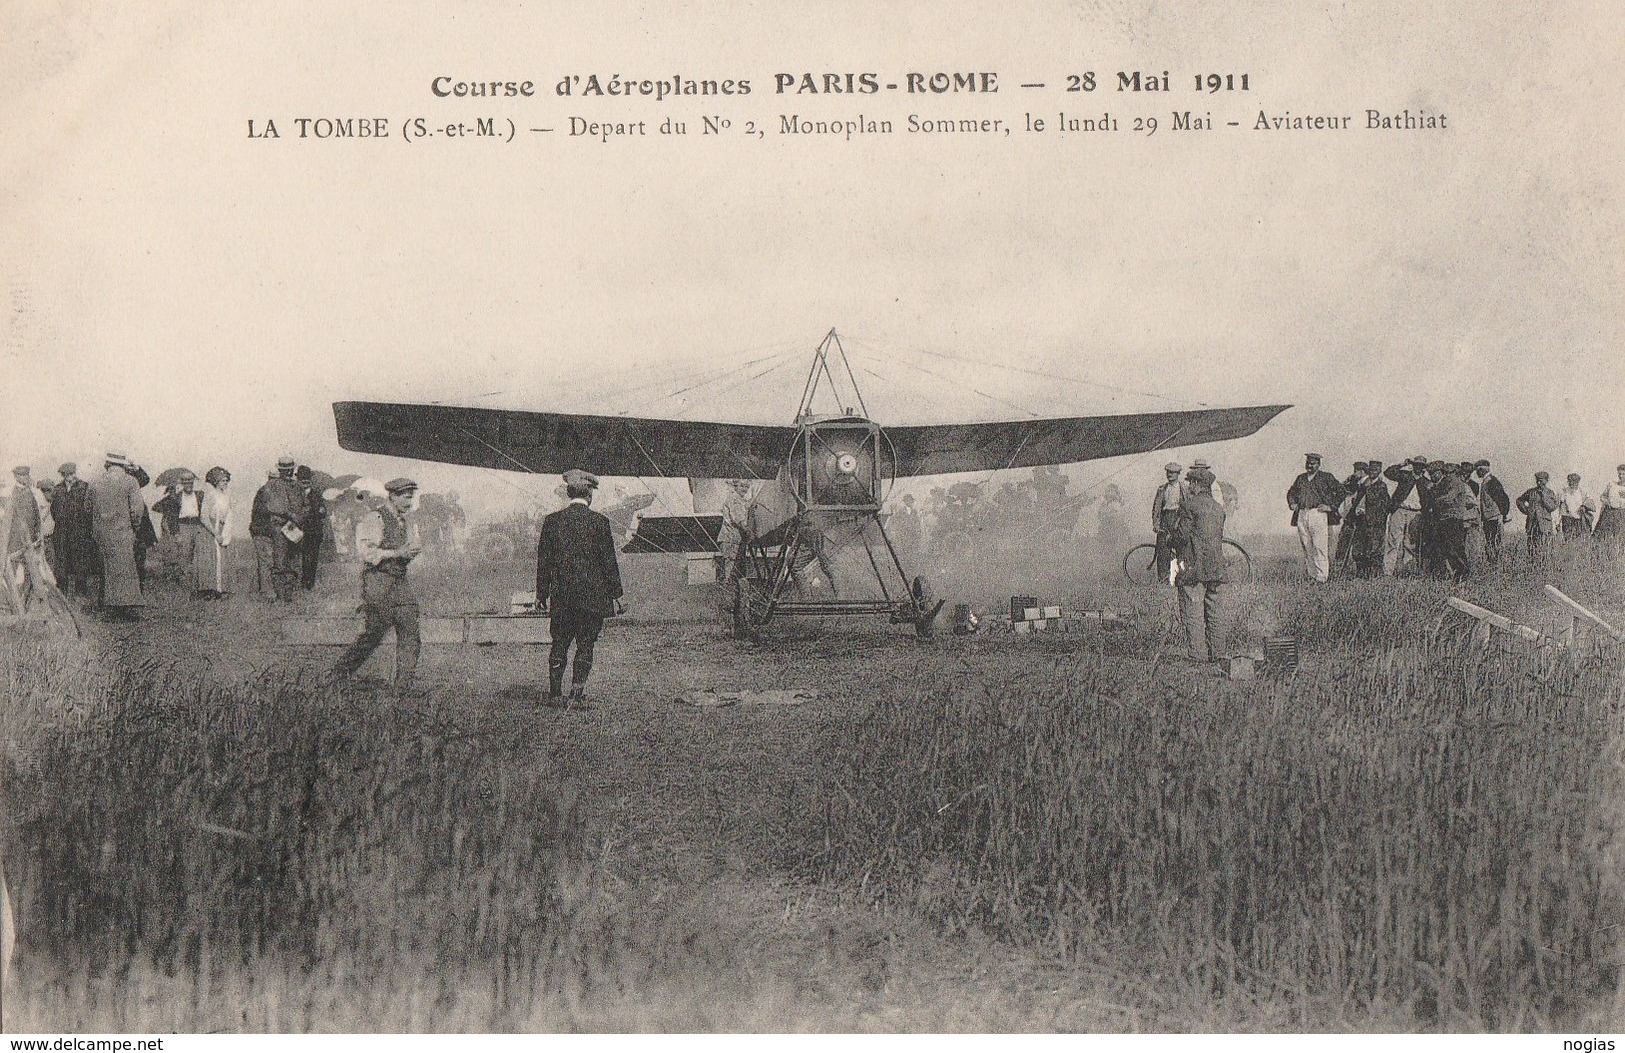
[
  {"x": 271, "y": 474},
  {"x": 1199, "y": 463},
  {"x": 1420, "y": 462},
  {"x": 1361, "y": 464},
  {"x": 116, "y": 458},
  {"x": 1374, "y": 463},
  {"x": 577, "y": 477},
  {"x": 1313, "y": 457},
  {"x": 402, "y": 485},
  {"x": 1437, "y": 466},
  {"x": 1173, "y": 466},
  {"x": 1574, "y": 476},
  {"x": 1542, "y": 476},
  {"x": 67, "y": 468},
  {"x": 1201, "y": 477},
  {"x": 1481, "y": 463},
  {"x": 22, "y": 469},
  {"x": 1620, "y": 468}
]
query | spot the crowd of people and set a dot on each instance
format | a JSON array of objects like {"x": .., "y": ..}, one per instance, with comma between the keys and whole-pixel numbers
[
  {"x": 95, "y": 537},
  {"x": 1438, "y": 518}
]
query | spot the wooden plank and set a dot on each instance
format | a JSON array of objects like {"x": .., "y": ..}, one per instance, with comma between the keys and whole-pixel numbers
[
  {"x": 1489, "y": 617},
  {"x": 1557, "y": 596}
]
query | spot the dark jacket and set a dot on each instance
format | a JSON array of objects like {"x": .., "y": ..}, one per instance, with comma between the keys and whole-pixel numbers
[
  {"x": 1405, "y": 476},
  {"x": 1313, "y": 489},
  {"x": 1201, "y": 539},
  {"x": 575, "y": 562},
  {"x": 1493, "y": 499}
]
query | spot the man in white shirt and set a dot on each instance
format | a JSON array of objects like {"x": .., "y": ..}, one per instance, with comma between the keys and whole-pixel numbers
[
  {"x": 387, "y": 540},
  {"x": 1576, "y": 511}
]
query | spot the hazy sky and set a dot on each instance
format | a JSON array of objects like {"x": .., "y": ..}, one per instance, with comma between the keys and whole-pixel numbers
[{"x": 189, "y": 295}]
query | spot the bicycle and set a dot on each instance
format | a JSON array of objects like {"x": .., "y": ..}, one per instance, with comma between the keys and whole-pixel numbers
[{"x": 1140, "y": 564}]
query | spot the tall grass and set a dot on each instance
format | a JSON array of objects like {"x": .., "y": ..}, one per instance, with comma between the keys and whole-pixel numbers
[
  {"x": 1423, "y": 830},
  {"x": 167, "y": 822}
]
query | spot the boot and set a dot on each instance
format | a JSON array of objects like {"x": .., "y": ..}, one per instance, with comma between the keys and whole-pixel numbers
[
  {"x": 578, "y": 695},
  {"x": 555, "y": 683}
]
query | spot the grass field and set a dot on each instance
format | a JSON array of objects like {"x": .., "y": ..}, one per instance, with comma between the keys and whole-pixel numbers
[{"x": 1007, "y": 833}]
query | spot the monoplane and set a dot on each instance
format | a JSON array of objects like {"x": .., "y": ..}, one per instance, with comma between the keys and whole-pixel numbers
[{"x": 777, "y": 500}]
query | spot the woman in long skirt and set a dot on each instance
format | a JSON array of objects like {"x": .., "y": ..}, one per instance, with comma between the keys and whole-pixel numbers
[{"x": 209, "y": 557}]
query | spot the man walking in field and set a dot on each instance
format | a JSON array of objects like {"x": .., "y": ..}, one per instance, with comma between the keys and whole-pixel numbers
[
  {"x": 1313, "y": 498},
  {"x": 1201, "y": 580},
  {"x": 387, "y": 541},
  {"x": 578, "y": 579}
]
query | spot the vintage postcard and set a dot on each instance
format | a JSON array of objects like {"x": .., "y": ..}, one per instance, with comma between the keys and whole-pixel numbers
[{"x": 1100, "y": 516}]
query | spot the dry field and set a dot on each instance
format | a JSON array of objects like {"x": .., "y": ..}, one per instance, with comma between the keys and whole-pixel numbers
[{"x": 1073, "y": 832}]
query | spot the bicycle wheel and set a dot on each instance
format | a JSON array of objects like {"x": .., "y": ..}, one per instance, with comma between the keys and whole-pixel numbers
[
  {"x": 1238, "y": 565},
  {"x": 1140, "y": 565}
]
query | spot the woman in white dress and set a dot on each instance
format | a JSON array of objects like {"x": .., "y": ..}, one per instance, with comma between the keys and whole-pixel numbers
[{"x": 209, "y": 561}]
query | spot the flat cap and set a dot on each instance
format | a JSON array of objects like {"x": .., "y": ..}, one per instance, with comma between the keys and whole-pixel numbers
[
  {"x": 1201, "y": 477},
  {"x": 1362, "y": 464},
  {"x": 22, "y": 469},
  {"x": 1437, "y": 466},
  {"x": 1200, "y": 463},
  {"x": 1481, "y": 463},
  {"x": 1313, "y": 457},
  {"x": 1543, "y": 475},
  {"x": 402, "y": 485},
  {"x": 116, "y": 458},
  {"x": 1420, "y": 462},
  {"x": 67, "y": 468},
  {"x": 1173, "y": 466},
  {"x": 577, "y": 477}
]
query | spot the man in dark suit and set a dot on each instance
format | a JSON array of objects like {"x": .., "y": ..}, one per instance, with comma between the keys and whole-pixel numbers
[
  {"x": 578, "y": 582},
  {"x": 1494, "y": 507}
]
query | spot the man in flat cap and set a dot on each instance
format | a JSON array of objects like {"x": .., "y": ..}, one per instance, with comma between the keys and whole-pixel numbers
[
  {"x": 113, "y": 501},
  {"x": 1537, "y": 505},
  {"x": 1400, "y": 548},
  {"x": 387, "y": 541},
  {"x": 1494, "y": 507},
  {"x": 1457, "y": 515},
  {"x": 1165, "y": 509},
  {"x": 1313, "y": 498},
  {"x": 75, "y": 548},
  {"x": 578, "y": 579}
]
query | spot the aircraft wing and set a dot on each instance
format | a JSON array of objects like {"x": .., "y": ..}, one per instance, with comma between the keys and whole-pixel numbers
[
  {"x": 939, "y": 449},
  {"x": 551, "y": 443}
]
